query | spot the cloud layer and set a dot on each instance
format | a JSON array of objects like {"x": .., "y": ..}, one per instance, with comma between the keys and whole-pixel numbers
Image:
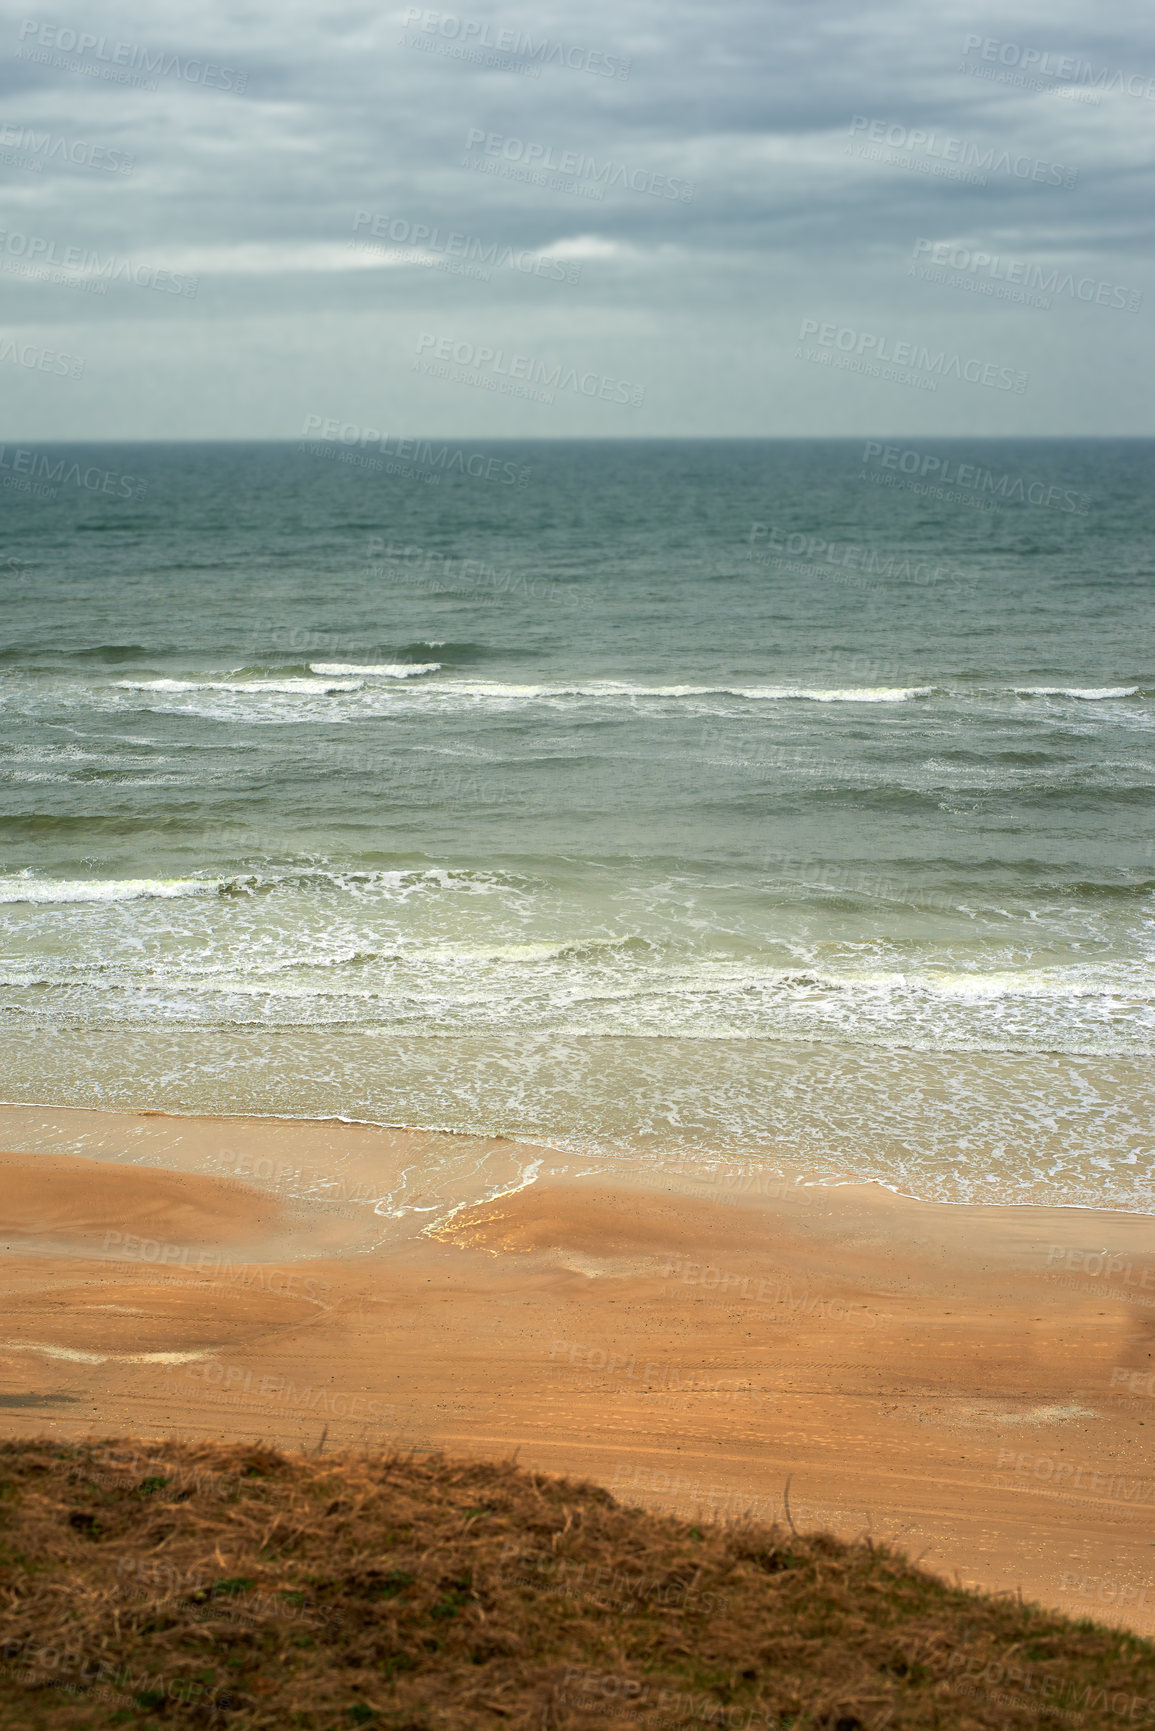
[{"x": 749, "y": 219}]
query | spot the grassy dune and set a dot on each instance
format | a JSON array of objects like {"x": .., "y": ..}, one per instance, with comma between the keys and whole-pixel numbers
[{"x": 151, "y": 1584}]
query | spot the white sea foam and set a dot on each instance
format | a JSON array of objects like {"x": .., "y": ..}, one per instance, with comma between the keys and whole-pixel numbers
[
  {"x": 596, "y": 688},
  {"x": 839, "y": 694},
  {"x": 47, "y": 890},
  {"x": 1093, "y": 693},
  {"x": 334, "y": 678},
  {"x": 603, "y": 689},
  {"x": 293, "y": 687},
  {"x": 1062, "y": 984},
  {"x": 374, "y": 669}
]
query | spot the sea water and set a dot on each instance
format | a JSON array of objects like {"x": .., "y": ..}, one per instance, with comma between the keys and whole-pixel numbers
[{"x": 784, "y": 800}]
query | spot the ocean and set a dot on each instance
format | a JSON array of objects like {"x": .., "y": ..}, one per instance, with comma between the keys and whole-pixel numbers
[{"x": 787, "y": 801}]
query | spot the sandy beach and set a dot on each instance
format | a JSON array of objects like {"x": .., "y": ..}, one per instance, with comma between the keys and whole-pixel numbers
[{"x": 973, "y": 1385}]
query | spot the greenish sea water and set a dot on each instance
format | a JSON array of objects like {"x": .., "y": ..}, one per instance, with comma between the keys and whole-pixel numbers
[{"x": 776, "y": 798}]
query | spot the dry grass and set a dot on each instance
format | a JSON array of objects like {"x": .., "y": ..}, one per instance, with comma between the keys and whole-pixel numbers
[{"x": 171, "y": 1584}]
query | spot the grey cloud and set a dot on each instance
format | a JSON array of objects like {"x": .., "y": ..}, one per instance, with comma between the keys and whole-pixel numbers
[{"x": 254, "y": 193}]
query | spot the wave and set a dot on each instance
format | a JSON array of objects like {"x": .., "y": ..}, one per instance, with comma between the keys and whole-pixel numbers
[
  {"x": 509, "y": 989},
  {"x": 295, "y": 687},
  {"x": 611, "y": 688},
  {"x": 413, "y": 971},
  {"x": 375, "y": 670},
  {"x": 838, "y": 694},
  {"x": 410, "y": 681},
  {"x": 1091, "y": 694},
  {"x": 1040, "y": 983},
  {"x": 47, "y": 891},
  {"x": 1087, "y": 890},
  {"x": 113, "y": 652},
  {"x": 396, "y": 882}
]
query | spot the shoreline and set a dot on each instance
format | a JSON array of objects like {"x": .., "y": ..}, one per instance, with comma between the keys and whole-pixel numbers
[
  {"x": 964, "y": 1381},
  {"x": 664, "y": 1163}
]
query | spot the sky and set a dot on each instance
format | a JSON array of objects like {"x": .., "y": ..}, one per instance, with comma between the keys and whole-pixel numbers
[{"x": 638, "y": 220}]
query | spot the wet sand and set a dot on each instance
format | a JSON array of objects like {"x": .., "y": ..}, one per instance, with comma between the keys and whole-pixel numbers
[{"x": 974, "y": 1385}]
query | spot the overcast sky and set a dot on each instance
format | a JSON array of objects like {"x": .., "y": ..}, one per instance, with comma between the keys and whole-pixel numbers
[{"x": 740, "y": 198}]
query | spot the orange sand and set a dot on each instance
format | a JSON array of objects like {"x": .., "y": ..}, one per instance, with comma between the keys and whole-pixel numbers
[{"x": 973, "y": 1384}]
